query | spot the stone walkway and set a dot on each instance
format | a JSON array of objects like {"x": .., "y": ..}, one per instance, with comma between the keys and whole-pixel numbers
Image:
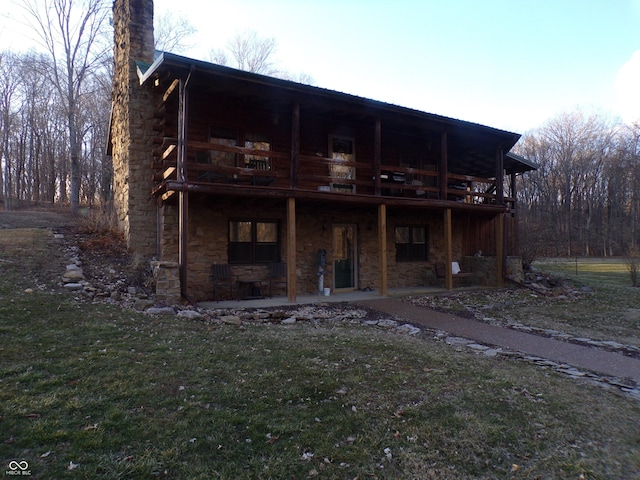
[{"x": 592, "y": 359}]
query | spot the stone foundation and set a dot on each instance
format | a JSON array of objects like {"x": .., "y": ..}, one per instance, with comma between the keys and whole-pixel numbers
[
  {"x": 166, "y": 276},
  {"x": 513, "y": 269}
]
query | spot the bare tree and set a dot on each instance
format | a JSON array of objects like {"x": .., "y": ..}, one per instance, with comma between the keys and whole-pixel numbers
[
  {"x": 9, "y": 79},
  {"x": 248, "y": 52},
  {"x": 71, "y": 32},
  {"x": 172, "y": 33},
  {"x": 252, "y": 53},
  {"x": 585, "y": 197}
]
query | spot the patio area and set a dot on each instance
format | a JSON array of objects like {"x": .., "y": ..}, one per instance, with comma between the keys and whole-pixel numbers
[{"x": 354, "y": 296}]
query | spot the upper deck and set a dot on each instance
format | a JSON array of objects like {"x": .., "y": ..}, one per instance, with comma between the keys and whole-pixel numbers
[{"x": 227, "y": 132}]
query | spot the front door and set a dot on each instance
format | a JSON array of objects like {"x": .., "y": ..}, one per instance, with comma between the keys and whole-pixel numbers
[{"x": 344, "y": 257}]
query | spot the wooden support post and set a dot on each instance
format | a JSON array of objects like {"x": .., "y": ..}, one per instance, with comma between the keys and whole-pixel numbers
[
  {"x": 182, "y": 141},
  {"x": 377, "y": 156},
  {"x": 500, "y": 250},
  {"x": 444, "y": 161},
  {"x": 499, "y": 176},
  {"x": 291, "y": 249},
  {"x": 513, "y": 193},
  {"x": 183, "y": 221},
  {"x": 295, "y": 144},
  {"x": 448, "y": 241},
  {"x": 382, "y": 247},
  {"x": 183, "y": 197}
]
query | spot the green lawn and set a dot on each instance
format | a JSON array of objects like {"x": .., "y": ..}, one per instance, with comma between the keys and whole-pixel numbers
[
  {"x": 92, "y": 391},
  {"x": 596, "y": 271}
]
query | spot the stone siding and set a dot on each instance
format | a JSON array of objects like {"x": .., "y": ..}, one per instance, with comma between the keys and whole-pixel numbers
[
  {"x": 131, "y": 125},
  {"x": 207, "y": 237},
  {"x": 166, "y": 276}
]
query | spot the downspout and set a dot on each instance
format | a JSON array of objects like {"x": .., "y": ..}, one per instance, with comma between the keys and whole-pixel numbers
[{"x": 183, "y": 196}]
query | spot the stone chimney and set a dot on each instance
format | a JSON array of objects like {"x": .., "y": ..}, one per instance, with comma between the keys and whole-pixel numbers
[{"x": 131, "y": 125}]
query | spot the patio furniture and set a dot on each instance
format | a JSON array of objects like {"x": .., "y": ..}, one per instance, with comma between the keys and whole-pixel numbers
[
  {"x": 222, "y": 279},
  {"x": 277, "y": 276}
]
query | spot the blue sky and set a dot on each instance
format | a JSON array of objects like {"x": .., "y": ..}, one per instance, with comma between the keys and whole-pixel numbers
[{"x": 510, "y": 64}]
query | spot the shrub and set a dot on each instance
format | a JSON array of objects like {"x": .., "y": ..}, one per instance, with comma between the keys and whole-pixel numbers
[{"x": 633, "y": 264}]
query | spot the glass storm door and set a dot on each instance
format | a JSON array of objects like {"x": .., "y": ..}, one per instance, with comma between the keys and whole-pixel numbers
[{"x": 344, "y": 257}]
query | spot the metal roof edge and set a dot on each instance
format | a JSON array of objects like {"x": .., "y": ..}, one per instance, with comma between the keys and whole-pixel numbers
[
  {"x": 145, "y": 70},
  {"x": 524, "y": 161}
]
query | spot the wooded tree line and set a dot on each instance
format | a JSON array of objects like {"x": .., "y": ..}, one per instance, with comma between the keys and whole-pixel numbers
[
  {"x": 584, "y": 199},
  {"x": 35, "y": 144}
]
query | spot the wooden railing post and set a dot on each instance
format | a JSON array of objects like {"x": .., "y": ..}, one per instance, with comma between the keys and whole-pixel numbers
[
  {"x": 499, "y": 176},
  {"x": 295, "y": 144},
  {"x": 444, "y": 161}
]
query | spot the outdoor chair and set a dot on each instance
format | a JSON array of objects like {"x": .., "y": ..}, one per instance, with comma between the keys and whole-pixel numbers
[
  {"x": 222, "y": 279},
  {"x": 456, "y": 271},
  {"x": 260, "y": 180},
  {"x": 277, "y": 276}
]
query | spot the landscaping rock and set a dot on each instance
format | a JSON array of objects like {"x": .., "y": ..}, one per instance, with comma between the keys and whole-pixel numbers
[
  {"x": 387, "y": 323},
  {"x": 231, "y": 319},
  {"x": 190, "y": 314},
  {"x": 408, "y": 329},
  {"x": 160, "y": 311},
  {"x": 458, "y": 341}
]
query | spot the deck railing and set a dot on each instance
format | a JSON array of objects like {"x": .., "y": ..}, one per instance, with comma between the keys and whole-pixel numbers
[{"x": 262, "y": 168}]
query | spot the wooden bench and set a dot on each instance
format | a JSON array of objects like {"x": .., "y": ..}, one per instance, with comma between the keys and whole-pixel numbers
[{"x": 441, "y": 271}]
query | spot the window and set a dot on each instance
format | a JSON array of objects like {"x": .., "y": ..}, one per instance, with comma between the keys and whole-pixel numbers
[
  {"x": 227, "y": 137},
  {"x": 253, "y": 241},
  {"x": 256, "y": 141},
  {"x": 342, "y": 149},
  {"x": 411, "y": 244}
]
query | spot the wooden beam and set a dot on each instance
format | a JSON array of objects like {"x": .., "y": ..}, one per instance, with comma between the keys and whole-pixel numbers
[
  {"x": 295, "y": 144},
  {"x": 161, "y": 176},
  {"x": 167, "y": 195},
  {"x": 170, "y": 90},
  {"x": 291, "y": 249},
  {"x": 377, "y": 155},
  {"x": 448, "y": 241},
  {"x": 382, "y": 247},
  {"x": 499, "y": 176},
  {"x": 168, "y": 151},
  {"x": 444, "y": 166},
  {"x": 182, "y": 141}
]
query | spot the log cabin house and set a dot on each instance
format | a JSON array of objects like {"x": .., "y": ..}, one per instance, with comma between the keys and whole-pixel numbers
[{"x": 216, "y": 166}]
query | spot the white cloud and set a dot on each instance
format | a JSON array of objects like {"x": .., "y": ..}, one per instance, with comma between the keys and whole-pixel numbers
[{"x": 627, "y": 88}]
